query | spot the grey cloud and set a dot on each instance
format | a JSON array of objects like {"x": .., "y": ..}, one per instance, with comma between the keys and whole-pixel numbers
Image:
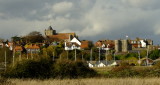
[{"x": 90, "y": 19}]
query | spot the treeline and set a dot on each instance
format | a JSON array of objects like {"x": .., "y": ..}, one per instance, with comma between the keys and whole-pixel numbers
[{"x": 45, "y": 68}]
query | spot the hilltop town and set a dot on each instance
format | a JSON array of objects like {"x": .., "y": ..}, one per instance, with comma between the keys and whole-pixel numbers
[{"x": 68, "y": 46}]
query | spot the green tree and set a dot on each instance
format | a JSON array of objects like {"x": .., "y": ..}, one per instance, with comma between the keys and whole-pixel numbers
[
  {"x": 154, "y": 54},
  {"x": 34, "y": 37},
  {"x": 143, "y": 53}
]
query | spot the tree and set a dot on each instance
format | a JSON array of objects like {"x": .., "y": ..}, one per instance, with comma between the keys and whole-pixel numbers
[
  {"x": 34, "y": 37},
  {"x": 15, "y": 38},
  {"x": 143, "y": 53},
  {"x": 154, "y": 54}
]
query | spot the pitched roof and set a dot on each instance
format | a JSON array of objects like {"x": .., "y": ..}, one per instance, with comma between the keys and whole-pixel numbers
[
  {"x": 99, "y": 43},
  {"x": 85, "y": 44},
  {"x": 69, "y": 44},
  {"x": 61, "y": 36},
  {"x": 18, "y": 48},
  {"x": 32, "y": 46}
]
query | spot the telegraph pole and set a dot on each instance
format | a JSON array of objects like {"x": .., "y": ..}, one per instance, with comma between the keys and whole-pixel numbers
[
  {"x": 147, "y": 58},
  {"x": 5, "y": 60},
  {"x": 139, "y": 58},
  {"x": 67, "y": 54},
  {"x": 91, "y": 55},
  {"x": 13, "y": 56},
  {"x": 114, "y": 57},
  {"x": 99, "y": 55},
  {"x": 53, "y": 56},
  {"x": 31, "y": 54},
  {"x": 75, "y": 55}
]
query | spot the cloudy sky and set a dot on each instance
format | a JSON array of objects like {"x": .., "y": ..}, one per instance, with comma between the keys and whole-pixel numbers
[{"x": 90, "y": 19}]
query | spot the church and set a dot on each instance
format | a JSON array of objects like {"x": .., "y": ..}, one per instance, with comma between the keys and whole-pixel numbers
[{"x": 52, "y": 35}]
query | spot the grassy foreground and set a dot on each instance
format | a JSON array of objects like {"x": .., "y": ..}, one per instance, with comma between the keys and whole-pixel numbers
[{"x": 90, "y": 81}]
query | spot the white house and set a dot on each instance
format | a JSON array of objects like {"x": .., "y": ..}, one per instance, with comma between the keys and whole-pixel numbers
[
  {"x": 90, "y": 65},
  {"x": 73, "y": 44},
  {"x": 143, "y": 44},
  {"x": 101, "y": 64}
]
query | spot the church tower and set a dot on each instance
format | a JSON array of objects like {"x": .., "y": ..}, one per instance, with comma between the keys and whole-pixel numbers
[{"x": 50, "y": 31}]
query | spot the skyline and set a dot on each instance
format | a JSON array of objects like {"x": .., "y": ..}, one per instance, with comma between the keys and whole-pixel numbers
[{"x": 89, "y": 19}]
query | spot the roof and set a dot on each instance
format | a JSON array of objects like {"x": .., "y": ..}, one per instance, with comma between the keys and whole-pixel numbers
[
  {"x": 61, "y": 36},
  {"x": 85, "y": 44},
  {"x": 69, "y": 44},
  {"x": 73, "y": 34},
  {"x": 18, "y": 48},
  {"x": 99, "y": 43},
  {"x": 32, "y": 46}
]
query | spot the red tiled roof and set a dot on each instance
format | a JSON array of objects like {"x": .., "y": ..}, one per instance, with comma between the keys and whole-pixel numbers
[
  {"x": 61, "y": 36},
  {"x": 33, "y": 47},
  {"x": 106, "y": 42},
  {"x": 85, "y": 44},
  {"x": 18, "y": 48}
]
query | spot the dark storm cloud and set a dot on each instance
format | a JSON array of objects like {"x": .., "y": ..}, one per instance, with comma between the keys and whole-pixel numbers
[{"x": 90, "y": 19}]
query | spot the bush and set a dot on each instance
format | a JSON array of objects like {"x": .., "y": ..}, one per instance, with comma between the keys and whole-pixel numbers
[
  {"x": 122, "y": 71},
  {"x": 30, "y": 69},
  {"x": 71, "y": 69},
  {"x": 44, "y": 68}
]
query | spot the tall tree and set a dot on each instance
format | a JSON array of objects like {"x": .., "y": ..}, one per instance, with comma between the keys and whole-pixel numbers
[{"x": 34, "y": 37}]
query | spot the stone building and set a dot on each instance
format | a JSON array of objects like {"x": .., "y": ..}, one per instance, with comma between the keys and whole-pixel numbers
[
  {"x": 122, "y": 46},
  {"x": 52, "y": 35}
]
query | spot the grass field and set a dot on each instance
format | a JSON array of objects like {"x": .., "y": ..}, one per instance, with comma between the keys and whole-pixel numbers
[{"x": 91, "y": 81}]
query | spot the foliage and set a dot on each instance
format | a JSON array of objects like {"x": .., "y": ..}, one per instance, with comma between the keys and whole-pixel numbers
[
  {"x": 8, "y": 54},
  {"x": 154, "y": 54},
  {"x": 143, "y": 53},
  {"x": 45, "y": 68},
  {"x": 71, "y": 69},
  {"x": 33, "y": 37},
  {"x": 30, "y": 69},
  {"x": 122, "y": 71},
  {"x": 15, "y": 38}
]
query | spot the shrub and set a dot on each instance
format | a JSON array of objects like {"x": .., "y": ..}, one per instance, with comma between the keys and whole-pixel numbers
[
  {"x": 71, "y": 69},
  {"x": 44, "y": 68},
  {"x": 122, "y": 71},
  {"x": 30, "y": 69}
]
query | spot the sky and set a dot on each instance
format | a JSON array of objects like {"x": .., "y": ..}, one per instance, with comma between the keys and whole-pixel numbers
[{"x": 89, "y": 19}]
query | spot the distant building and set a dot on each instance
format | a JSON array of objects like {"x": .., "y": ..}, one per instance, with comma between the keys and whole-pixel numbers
[
  {"x": 18, "y": 49},
  {"x": 122, "y": 46},
  {"x": 140, "y": 43},
  {"x": 105, "y": 44},
  {"x": 52, "y": 35},
  {"x": 85, "y": 44},
  {"x": 73, "y": 44},
  {"x": 133, "y": 45},
  {"x": 32, "y": 48}
]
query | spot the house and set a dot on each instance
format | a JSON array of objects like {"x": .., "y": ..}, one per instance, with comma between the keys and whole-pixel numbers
[
  {"x": 85, "y": 44},
  {"x": 140, "y": 43},
  {"x": 32, "y": 48},
  {"x": 52, "y": 35},
  {"x": 105, "y": 44},
  {"x": 90, "y": 65},
  {"x": 73, "y": 44},
  {"x": 18, "y": 48},
  {"x": 102, "y": 64}
]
